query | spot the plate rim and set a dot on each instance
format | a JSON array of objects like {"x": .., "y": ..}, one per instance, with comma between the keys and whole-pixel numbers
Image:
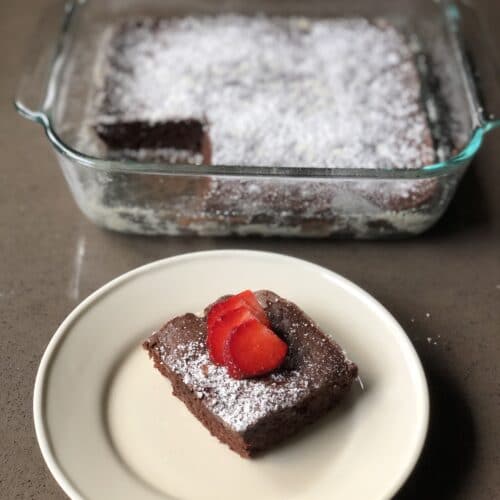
[{"x": 43, "y": 437}]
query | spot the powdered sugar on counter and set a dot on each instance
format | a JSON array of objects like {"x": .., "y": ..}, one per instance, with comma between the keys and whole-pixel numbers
[{"x": 433, "y": 340}]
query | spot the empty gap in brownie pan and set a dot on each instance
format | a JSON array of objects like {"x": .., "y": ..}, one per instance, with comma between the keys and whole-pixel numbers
[{"x": 184, "y": 135}]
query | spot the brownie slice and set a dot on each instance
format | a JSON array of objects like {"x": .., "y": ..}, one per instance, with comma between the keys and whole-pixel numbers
[{"x": 252, "y": 415}]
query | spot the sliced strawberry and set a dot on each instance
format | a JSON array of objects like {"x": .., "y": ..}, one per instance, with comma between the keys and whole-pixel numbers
[
  {"x": 218, "y": 310},
  {"x": 249, "y": 297},
  {"x": 243, "y": 299},
  {"x": 253, "y": 349},
  {"x": 219, "y": 331}
]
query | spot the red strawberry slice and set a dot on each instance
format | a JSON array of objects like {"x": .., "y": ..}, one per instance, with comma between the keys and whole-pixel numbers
[
  {"x": 249, "y": 297},
  {"x": 243, "y": 299},
  {"x": 253, "y": 349},
  {"x": 220, "y": 330}
]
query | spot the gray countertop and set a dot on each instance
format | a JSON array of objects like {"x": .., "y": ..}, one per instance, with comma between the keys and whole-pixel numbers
[{"x": 444, "y": 288}]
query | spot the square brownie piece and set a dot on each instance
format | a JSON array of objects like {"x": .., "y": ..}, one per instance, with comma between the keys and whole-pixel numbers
[{"x": 252, "y": 415}]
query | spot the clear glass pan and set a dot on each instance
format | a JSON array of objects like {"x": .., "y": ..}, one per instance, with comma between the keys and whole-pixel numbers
[{"x": 157, "y": 198}]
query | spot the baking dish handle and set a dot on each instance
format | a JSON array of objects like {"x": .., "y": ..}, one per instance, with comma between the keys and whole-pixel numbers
[
  {"x": 483, "y": 60},
  {"x": 43, "y": 62}
]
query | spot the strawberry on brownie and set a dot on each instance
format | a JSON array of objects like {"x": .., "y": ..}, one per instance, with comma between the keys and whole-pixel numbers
[
  {"x": 253, "y": 369},
  {"x": 238, "y": 337}
]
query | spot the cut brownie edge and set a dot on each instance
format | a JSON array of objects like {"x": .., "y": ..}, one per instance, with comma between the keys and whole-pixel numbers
[{"x": 183, "y": 135}]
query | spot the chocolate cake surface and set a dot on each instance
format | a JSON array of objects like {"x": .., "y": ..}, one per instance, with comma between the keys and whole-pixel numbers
[
  {"x": 261, "y": 90},
  {"x": 252, "y": 415}
]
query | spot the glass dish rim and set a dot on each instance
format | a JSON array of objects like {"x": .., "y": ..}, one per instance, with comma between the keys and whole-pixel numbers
[{"x": 452, "y": 15}]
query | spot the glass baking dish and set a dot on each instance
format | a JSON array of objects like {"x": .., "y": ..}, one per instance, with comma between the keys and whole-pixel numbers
[{"x": 159, "y": 198}]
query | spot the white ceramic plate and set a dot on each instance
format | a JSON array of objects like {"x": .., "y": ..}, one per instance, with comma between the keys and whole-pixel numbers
[{"x": 108, "y": 426}]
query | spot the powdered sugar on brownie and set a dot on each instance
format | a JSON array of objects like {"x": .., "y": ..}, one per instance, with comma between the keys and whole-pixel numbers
[
  {"x": 239, "y": 403},
  {"x": 314, "y": 364},
  {"x": 274, "y": 91}
]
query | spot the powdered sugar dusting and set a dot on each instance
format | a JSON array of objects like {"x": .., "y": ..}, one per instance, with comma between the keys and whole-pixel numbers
[
  {"x": 275, "y": 91},
  {"x": 239, "y": 403}
]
